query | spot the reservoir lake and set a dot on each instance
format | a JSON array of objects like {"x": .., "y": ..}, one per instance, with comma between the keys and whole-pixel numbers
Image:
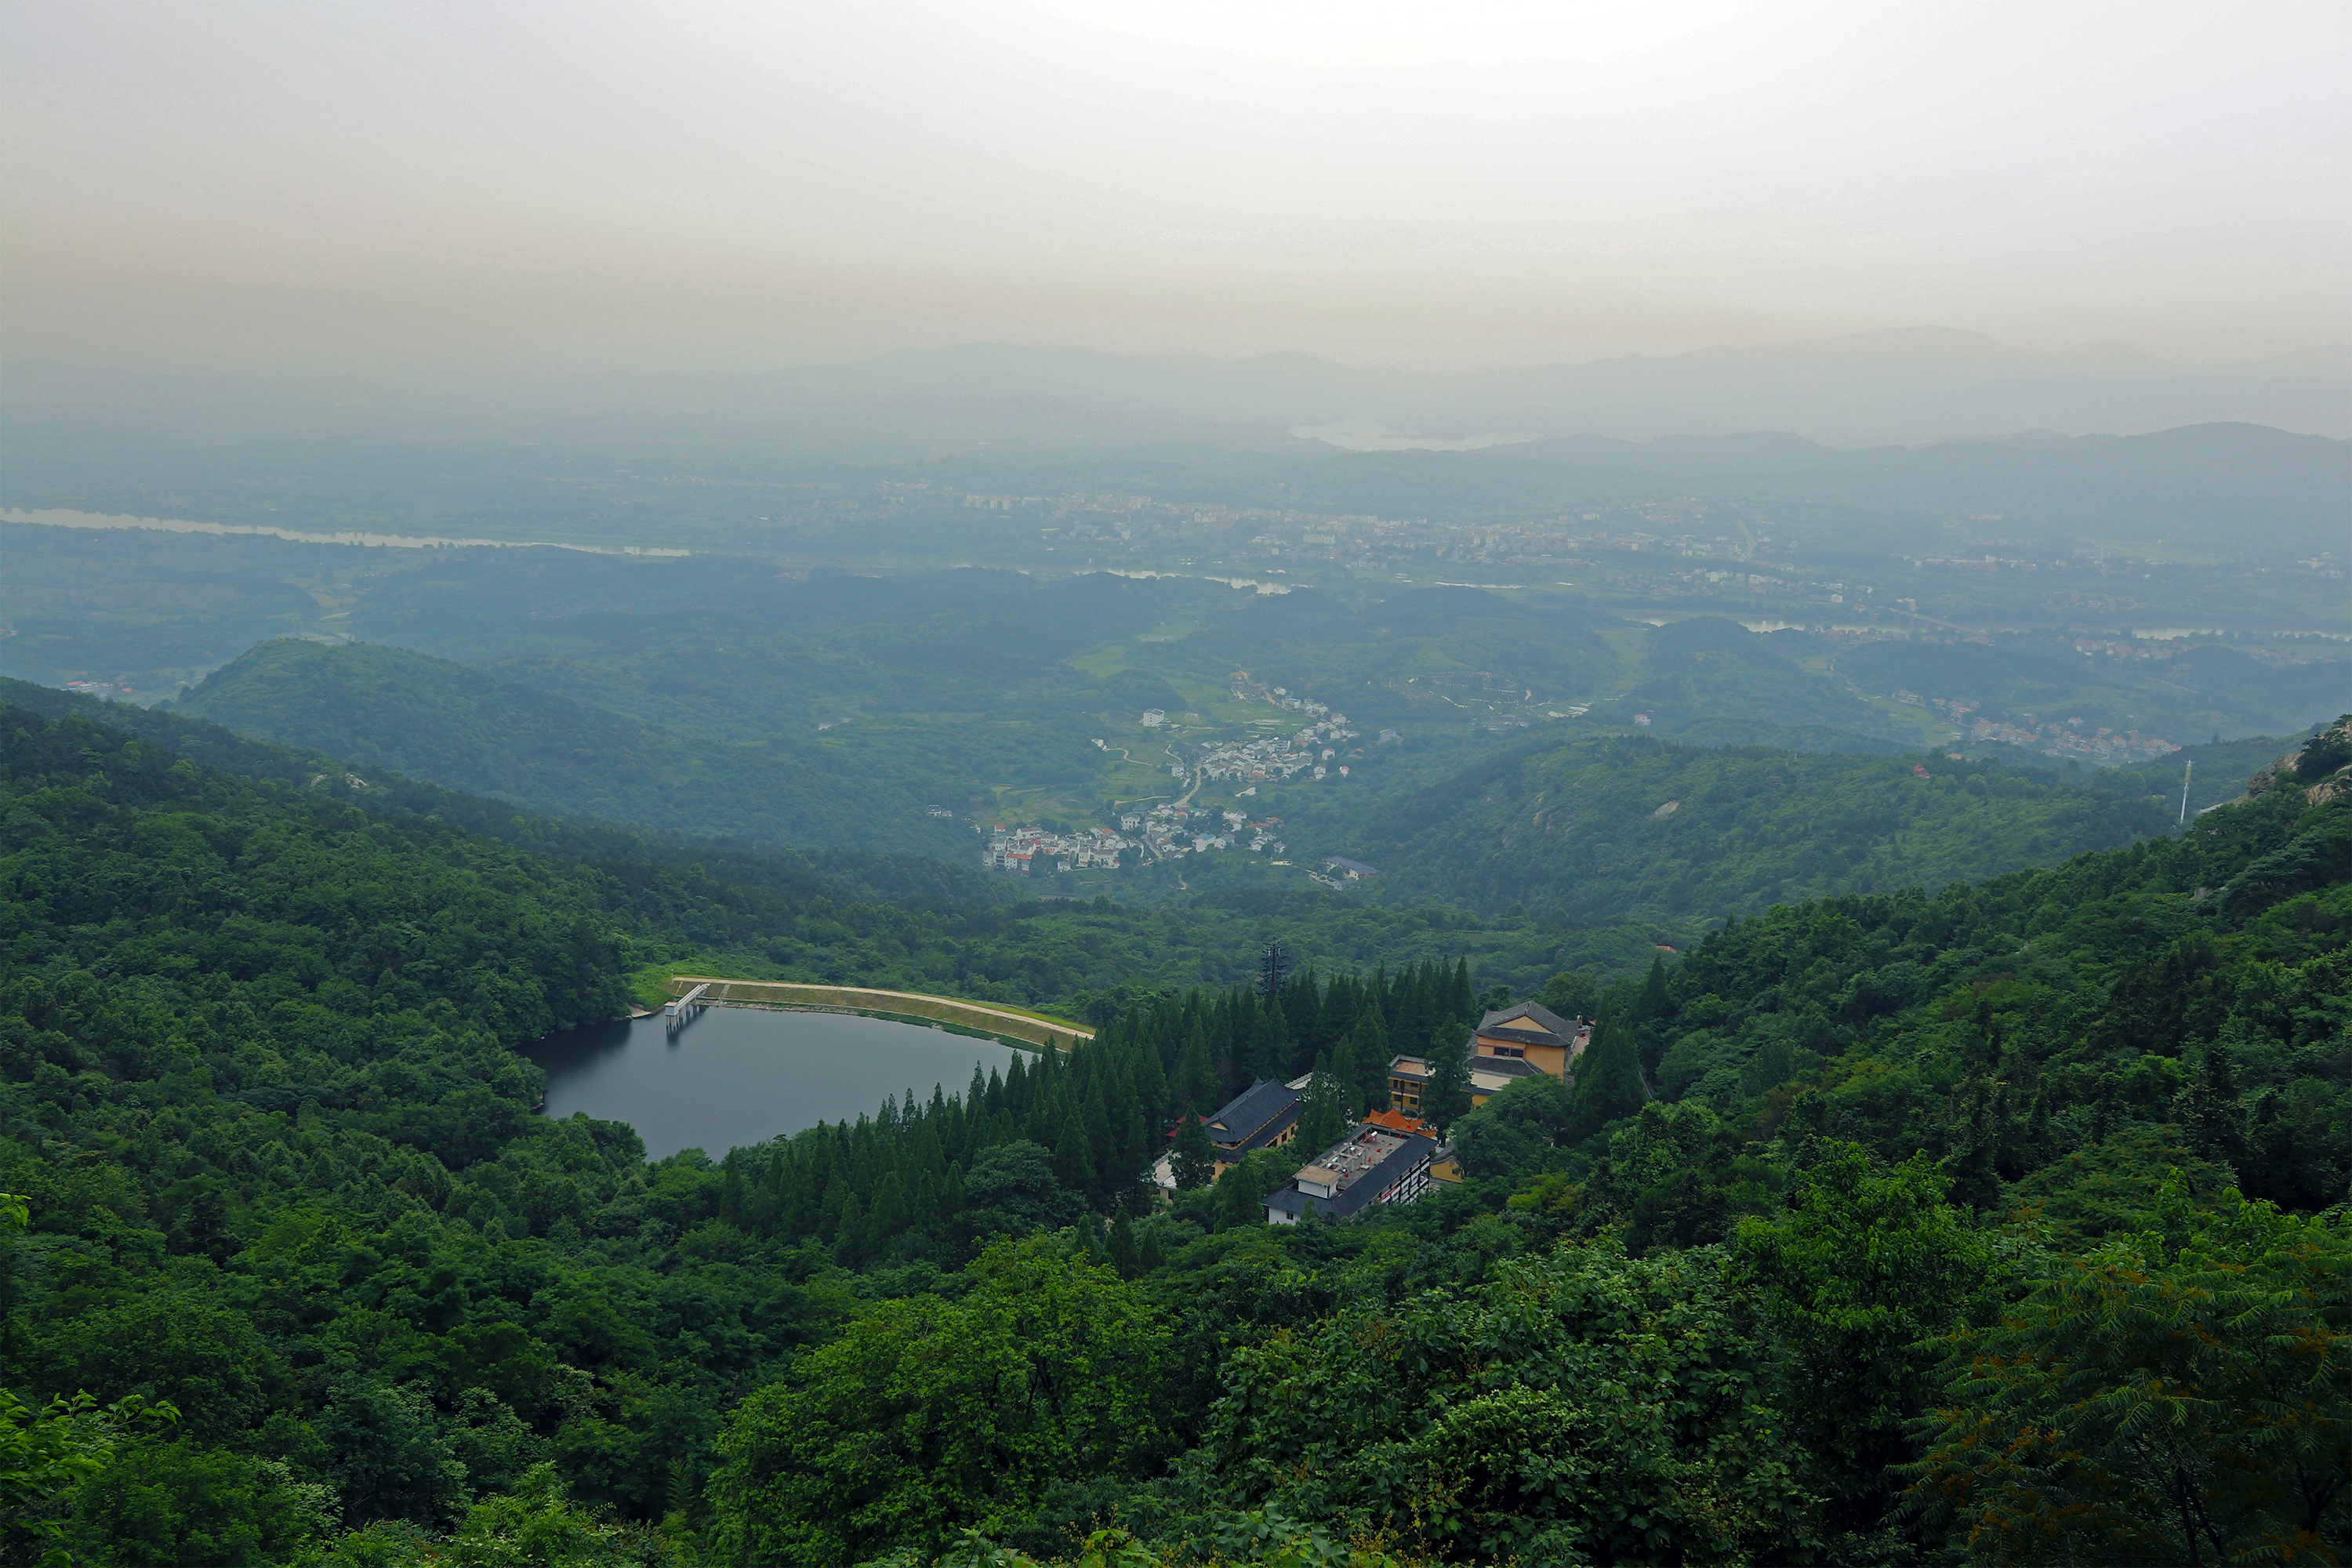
[{"x": 737, "y": 1076}]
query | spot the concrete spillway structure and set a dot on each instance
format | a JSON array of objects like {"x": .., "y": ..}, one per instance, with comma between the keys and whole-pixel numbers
[{"x": 680, "y": 1009}]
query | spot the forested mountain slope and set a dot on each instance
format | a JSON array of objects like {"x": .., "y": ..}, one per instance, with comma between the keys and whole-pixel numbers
[
  {"x": 1729, "y": 1297},
  {"x": 384, "y": 707},
  {"x": 904, "y": 923},
  {"x": 1636, "y": 827},
  {"x": 1708, "y": 669},
  {"x": 843, "y": 874},
  {"x": 2220, "y": 770}
]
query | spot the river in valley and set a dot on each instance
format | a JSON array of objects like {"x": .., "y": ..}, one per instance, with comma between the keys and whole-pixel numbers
[{"x": 736, "y": 1076}]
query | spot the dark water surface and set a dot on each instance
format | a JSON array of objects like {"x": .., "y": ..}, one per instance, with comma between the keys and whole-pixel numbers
[{"x": 734, "y": 1076}]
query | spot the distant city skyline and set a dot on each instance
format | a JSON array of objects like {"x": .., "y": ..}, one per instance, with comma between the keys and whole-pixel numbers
[{"x": 528, "y": 187}]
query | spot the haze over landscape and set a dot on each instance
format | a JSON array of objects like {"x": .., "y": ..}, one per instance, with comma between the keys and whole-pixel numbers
[
  {"x": 601, "y": 187},
  {"x": 1621, "y": 735}
]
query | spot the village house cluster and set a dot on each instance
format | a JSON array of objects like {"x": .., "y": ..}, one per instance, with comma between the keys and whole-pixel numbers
[
  {"x": 2053, "y": 738},
  {"x": 1170, "y": 829},
  {"x": 1027, "y": 851},
  {"x": 1314, "y": 749}
]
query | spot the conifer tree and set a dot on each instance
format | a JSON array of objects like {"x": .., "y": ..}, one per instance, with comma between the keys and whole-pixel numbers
[
  {"x": 835, "y": 1198},
  {"x": 1608, "y": 1078},
  {"x": 1125, "y": 1255},
  {"x": 1180, "y": 1024},
  {"x": 1322, "y": 1115},
  {"x": 1016, "y": 1086},
  {"x": 1368, "y": 1060},
  {"x": 1975, "y": 1182},
  {"x": 2270, "y": 1171},
  {"x": 1272, "y": 973},
  {"x": 1655, "y": 1004},
  {"x": 1339, "y": 1008},
  {"x": 1090, "y": 1231},
  {"x": 1135, "y": 1143},
  {"x": 891, "y": 1210},
  {"x": 1229, "y": 1047},
  {"x": 1412, "y": 1029},
  {"x": 2208, "y": 1110},
  {"x": 849, "y": 1234},
  {"x": 1446, "y": 1099},
  {"x": 1269, "y": 1047},
  {"x": 1073, "y": 1167},
  {"x": 731, "y": 1193},
  {"x": 1149, "y": 1080},
  {"x": 1302, "y": 1007},
  {"x": 1195, "y": 1158},
  {"x": 1989, "y": 1038},
  {"x": 1198, "y": 1080},
  {"x": 1102, "y": 1148},
  {"x": 2005, "y": 1136}
]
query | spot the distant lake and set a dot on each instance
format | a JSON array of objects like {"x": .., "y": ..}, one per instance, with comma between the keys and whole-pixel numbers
[{"x": 738, "y": 1075}]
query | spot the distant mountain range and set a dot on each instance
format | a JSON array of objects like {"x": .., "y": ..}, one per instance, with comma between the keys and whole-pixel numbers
[
  {"x": 1916, "y": 384},
  {"x": 2211, "y": 484},
  {"x": 1908, "y": 386}
]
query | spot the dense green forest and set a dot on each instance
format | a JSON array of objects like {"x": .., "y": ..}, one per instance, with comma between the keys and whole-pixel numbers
[
  {"x": 1568, "y": 831},
  {"x": 2000, "y": 1222},
  {"x": 2216, "y": 771},
  {"x": 902, "y": 922},
  {"x": 1597, "y": 829},
  {"x": 382, "y": 707},
  {"x": 768, "y": 633}
]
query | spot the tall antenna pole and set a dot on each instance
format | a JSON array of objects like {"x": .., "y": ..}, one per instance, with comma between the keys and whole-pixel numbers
[{"x": 2186, "y": 769}]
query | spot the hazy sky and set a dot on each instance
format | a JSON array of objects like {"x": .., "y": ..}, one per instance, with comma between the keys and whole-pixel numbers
[{"x": 590, "y": 184}]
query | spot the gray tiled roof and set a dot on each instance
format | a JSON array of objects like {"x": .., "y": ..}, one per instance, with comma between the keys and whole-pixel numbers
[
  {"x": 1507, "y": 1066},
  {"x": 1258, "y": 1112},
  {"x": 1552, "y": 1024}
]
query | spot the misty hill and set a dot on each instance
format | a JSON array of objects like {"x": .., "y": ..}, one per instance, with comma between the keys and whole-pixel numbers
[
  {"x": 1921, "y": 383},
  {"x": 377, "y": 706},
  {"x": 1639, "y": 827},
  {"x": 1710, "y": 668},
  {"x": 2221, "y": 770},
  {"x": 2220, "y": 487},
  {"x": 809, "y": 873},
  {"x": 2178, "y": 698},
  {"x": 1913, "y": 384},
  {"x": 2208, "y": 484}
]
